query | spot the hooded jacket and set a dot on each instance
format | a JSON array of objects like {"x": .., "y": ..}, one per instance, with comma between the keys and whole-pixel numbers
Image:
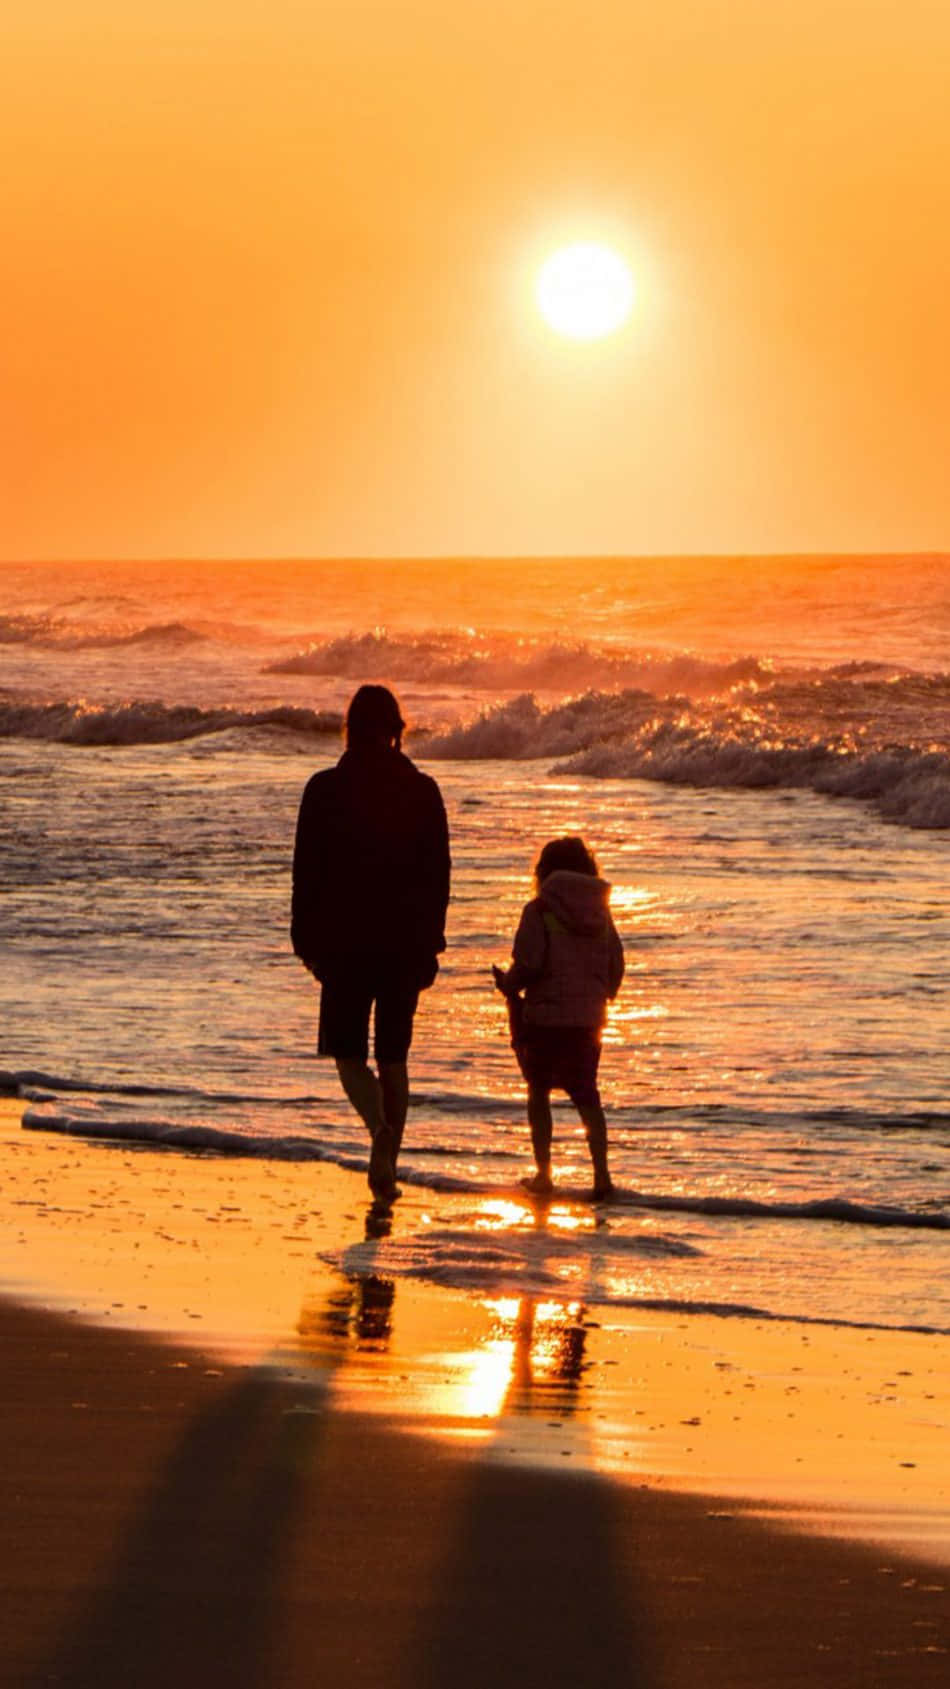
[{"x": 567, "y": 952}]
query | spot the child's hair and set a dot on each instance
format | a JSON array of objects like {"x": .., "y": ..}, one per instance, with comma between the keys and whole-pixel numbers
[{"x": 571, "y": 853}]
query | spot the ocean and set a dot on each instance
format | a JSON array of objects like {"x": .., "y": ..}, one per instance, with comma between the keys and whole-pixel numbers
[{"x": 758, "y": 751}]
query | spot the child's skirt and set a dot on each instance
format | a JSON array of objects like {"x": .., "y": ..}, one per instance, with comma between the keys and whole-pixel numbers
[{"x": 557, "y": 1058}]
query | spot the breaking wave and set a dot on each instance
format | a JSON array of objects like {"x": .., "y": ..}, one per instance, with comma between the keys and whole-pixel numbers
[
  {"x": 881, "y": 742},
  {"x": 860, "y": 729},
  {"x": 145, "y": 722},
  {"x": 910, "y": 788}
]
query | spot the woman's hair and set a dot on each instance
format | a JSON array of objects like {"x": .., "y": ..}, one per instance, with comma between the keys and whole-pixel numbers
[
  {"x": 571, "y": 854},
  {"x": 373, "y": 718}
]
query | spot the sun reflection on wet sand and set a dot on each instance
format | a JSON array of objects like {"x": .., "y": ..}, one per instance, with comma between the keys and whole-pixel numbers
[
  {"x": 518, "y": 1386},
  {"x": 702, "y": 1406},
  {"x": 720, "y": 1407},
  {"x": 531, "y": 1360},
  {"x": 484, "y": 1374}
]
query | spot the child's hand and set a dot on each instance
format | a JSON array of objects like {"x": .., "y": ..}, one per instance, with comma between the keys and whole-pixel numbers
[{"x": 501, "y": 978}]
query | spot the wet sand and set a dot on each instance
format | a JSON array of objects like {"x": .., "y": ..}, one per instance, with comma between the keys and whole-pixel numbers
[{"x": 270, "y": 1473}]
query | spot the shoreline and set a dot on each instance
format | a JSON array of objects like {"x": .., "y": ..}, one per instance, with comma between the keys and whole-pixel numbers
[{"x": 833, "y": 1431}]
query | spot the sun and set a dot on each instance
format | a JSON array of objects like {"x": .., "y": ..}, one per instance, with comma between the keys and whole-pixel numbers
[{"x": 584, "y": 291}]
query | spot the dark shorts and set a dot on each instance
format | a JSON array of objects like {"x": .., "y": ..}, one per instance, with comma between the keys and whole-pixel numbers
[
  {"x": 562, "y": 1058},
  {"x": 346, "y": 1003}
]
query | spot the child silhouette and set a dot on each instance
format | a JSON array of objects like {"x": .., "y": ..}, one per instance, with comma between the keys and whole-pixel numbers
[{"x": 568, "y": 962}]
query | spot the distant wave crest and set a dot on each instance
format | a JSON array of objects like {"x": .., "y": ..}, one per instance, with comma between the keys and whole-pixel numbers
[
  {"x": 507, "y": 662},
  {"x": 66, "y": 635}
]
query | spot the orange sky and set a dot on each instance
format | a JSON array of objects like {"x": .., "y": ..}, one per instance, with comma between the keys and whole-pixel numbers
[{"x": 267, "y": 264}]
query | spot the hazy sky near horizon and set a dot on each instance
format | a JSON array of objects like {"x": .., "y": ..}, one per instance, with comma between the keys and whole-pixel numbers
[{"x": 267, "y": 277}]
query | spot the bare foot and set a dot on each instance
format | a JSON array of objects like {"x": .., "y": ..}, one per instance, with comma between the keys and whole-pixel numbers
[
  {"x": 604, "y": 1190},
  {"x": 539, "y": 1185},
  {"x": 379, "y": 1220},
  {"x": 382, "y": 1179}
]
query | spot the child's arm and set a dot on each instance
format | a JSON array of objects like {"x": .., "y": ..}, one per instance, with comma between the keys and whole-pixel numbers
[
  {"x": 528, "y": 952},
  {"x": 511, "y": 980}
]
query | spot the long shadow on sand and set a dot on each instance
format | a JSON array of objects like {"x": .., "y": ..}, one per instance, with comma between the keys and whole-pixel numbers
[
  {"x": 529, "y": 1592},
  {"x": 196, "y": 1590},
  {"x": 530, "y": 1589},
  {"x": 284, "y": 1545}
]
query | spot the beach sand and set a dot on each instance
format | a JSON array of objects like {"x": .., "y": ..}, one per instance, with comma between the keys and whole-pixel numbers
[{"x": 228, "y": 1462}]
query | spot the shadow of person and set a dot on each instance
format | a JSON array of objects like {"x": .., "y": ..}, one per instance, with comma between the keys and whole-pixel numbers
[
  {"x": 194, "y": 1595},
  {"x": 533, "y": 1587},
  {"x": 198, "y": 1590},
  {"x": 485, "y": 1571}
]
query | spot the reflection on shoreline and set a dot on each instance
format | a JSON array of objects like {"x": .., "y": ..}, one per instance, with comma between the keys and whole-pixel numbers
[
  {"x": 358, "y": 1316},
  {"x": 530, "y": 1360},
  {"x": 529, "y": 1356},
  {"x": 538, "y": 1352}
]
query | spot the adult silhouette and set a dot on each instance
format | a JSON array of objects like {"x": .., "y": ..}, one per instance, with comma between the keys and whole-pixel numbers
[{"x": 370, "y": 892}]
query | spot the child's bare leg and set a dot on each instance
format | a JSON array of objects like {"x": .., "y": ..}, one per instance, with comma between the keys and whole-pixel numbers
[
  {"x": 539, "y": 1119},
  {"x": 595, "y": 1125}
]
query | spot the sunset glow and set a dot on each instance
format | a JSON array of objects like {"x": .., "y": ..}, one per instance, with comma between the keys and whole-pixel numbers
[{"x": 331, "y": 221}]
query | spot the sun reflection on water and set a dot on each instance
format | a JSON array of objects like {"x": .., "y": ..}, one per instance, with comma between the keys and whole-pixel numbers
[
  {"x": 631, "y": 900},
  {"x": 499, "y": 1214}
]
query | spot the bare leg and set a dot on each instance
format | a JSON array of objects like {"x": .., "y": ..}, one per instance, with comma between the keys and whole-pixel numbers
[
  {"x": 595, "y": 1125},
  {"x": 539, "y": 1119},
  {"x": 366, "y": 1095},
  {"x": 364, "y": 1092},
  {"x": 394, "y": 1082}
]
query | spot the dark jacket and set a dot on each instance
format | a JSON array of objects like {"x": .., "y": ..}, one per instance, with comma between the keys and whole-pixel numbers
[{"x": 371, "y": 866}]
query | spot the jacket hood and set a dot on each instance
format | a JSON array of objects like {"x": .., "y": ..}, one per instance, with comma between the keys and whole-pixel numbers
[{"x": 578, "y": 901}]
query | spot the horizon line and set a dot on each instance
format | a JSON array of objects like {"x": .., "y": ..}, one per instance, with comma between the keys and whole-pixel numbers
[{"x": 935, "y": 555}]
